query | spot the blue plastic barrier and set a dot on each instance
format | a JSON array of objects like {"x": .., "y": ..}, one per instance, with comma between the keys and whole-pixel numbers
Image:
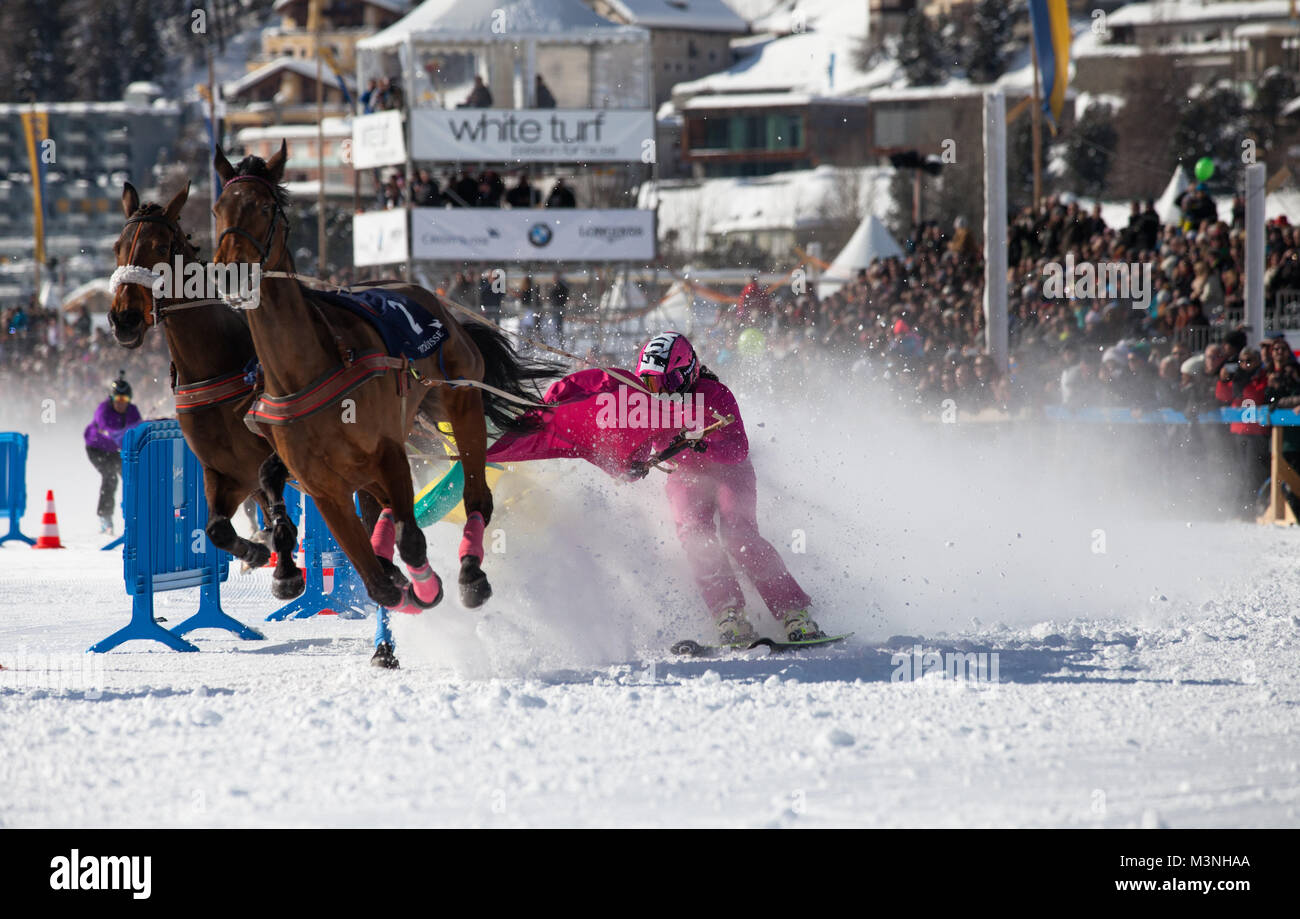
[
  {"x": 165, "y": 546},
  {"x": 1261, "y": 415},
  {"x": 13, "y": 484},
  {"x": 331, "y": 583}
]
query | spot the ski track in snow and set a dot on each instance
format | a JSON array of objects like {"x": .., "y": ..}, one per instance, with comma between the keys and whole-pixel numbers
[{"x": 1154, "y": 684}]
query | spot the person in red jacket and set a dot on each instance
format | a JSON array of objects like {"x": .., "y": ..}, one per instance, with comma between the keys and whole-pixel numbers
[
  {"x": 1243, "y": 387},
  {"x": 753, "y": 306}
]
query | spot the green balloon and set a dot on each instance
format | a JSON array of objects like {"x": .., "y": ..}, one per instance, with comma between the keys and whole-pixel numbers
[
  {"x": 751, "y": 343},
  {"x": 1204, "y": 169}
]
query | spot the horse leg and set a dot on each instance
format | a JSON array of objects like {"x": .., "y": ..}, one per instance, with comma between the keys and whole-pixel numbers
[
  {"x": 464, "y": 406},
  {"x": 340, "y": 516},
  {"x": 224, "y": 495},
  {"x": 425, "y": 591},
  {"x": 379, "y": 523},
  {"x": 287, "y": 582}
]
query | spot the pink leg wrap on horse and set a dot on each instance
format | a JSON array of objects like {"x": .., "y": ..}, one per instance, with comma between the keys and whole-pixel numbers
[
  {"x": 471, "y": 542},
  {"x": 426, "y": 583},
  {"x": 384, "y": 538}
]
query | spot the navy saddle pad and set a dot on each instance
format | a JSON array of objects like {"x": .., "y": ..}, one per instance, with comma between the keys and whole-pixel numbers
[{"x": 407, "y": 328}]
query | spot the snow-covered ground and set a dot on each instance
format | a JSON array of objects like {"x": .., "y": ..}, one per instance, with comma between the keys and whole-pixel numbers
[{"x": 1147, "y": 659}]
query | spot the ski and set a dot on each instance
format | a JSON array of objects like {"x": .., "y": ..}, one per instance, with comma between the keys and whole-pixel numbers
[{"x": 689, "y": 648}]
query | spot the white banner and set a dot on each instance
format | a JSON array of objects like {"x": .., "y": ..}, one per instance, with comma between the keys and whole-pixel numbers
[
  {"x": 533, "y": 135},
  {"x": 532, "y": 235},
  {"x": 379, "y": 238},
  {"x": 378, "y": 140}
]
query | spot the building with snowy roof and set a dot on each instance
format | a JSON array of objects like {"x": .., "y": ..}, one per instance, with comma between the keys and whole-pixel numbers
[{"x": 688, "y": 38}]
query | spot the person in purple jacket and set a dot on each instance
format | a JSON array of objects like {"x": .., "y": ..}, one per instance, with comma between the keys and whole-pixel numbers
[{"x": 113, "y": 418}]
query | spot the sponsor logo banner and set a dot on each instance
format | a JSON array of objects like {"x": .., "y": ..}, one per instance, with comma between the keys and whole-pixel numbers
[
  {"x": 378, "y": 140},
  {"x": 379, "y": 238},
  {"x": 532, "y": 135},
  {"x": 533, "y": 235}
]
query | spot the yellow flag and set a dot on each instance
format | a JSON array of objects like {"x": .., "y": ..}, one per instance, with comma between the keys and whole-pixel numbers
[{"x": 36, "y": 128}]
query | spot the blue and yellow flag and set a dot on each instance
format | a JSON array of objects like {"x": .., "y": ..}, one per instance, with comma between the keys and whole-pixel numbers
[
  {"x": 1051, "y": 25},
  {"x": 327, "y": 55},
  {"x": 36, "y": 129}
]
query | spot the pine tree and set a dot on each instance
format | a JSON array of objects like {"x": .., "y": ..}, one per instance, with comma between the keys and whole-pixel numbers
[
  {"x": 32, "y": 53},
  {"x": 984, "y": 50},
  {"x": 1211, "y": 124},
  {"x": 920, "y": 51},
  {"x": 1089, "y": 148}
]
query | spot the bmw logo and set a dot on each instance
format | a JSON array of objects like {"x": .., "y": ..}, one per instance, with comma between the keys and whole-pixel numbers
[{"x": 540, "y": 235}]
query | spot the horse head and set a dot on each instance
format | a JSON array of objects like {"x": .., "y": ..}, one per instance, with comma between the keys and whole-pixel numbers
[{"x": 151, "y": 236}]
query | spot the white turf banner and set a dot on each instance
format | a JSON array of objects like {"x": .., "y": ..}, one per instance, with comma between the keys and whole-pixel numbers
[
  {"x": 378, "y": 140},
  {"x": 532, "y": 235},
  {"x": 533, "y": 135},
  {"x": 379, "y": 237}
]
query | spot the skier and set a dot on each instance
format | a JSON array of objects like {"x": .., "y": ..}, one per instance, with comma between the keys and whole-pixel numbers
[
  {"x": 113, "y": 418},
  {"x": 713, "y": 478}
]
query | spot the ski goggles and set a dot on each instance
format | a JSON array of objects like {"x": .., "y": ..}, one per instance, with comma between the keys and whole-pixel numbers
[{"x": 670, "y": 382}]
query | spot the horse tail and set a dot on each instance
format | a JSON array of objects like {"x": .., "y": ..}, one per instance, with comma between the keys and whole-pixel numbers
[{"x": 506, "y": 369}]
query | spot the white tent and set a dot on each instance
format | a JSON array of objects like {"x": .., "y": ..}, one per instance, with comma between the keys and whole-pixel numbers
[
  {"x": 442, "y": 44},
  {"x": 869, "y": 242},
  {"x": 1167, "y": 203}
]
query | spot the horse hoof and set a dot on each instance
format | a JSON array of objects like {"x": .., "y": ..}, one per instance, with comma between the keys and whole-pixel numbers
[
  {"x": 288, "y": 588},
  {"x": 393, "y": 573},
  {"x": 383, "y": 657},
  {"x": 257, "y": 555},
  {"x": 474, "y": 587},
  {"x": 388, "y": 595}
]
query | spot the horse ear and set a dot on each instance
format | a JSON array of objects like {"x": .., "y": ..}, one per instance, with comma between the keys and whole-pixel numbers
[
  {"x": 130, "y": 199},
  {"x": 222, "y": 165},
  {"x": 275, "y": 165},
  {"x": 175, "y": 204}
]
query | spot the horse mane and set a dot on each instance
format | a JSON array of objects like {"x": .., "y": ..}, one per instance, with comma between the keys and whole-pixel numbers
[{"x": 255, "y": 166}]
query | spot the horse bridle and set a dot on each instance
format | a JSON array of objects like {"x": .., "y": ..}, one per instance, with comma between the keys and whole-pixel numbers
[
  {"x": 174, "y": 236},
  {"x": 277, "y": 217}
]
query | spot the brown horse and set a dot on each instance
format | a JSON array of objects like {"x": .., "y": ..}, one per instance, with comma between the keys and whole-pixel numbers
[
  {"x": 343, "y": 444},
  {"x": 210, "y": 349}
]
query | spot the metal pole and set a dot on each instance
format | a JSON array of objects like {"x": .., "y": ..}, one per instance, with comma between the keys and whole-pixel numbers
[
  {"x": 409, "y": 96},
  {"x": 1255, "y": 178},
  {"x": 995, "y": 228},
  {"x": 212, "y": 152},
  {"x": 322, "y": 238},
  {"x": 1036, "y": 125}
]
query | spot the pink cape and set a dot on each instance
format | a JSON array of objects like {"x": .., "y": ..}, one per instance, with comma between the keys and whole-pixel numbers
[{"x": 593, "y": 415}]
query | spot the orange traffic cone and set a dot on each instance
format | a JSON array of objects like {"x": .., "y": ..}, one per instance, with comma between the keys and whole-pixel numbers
[{"x": 49, "y": 538}]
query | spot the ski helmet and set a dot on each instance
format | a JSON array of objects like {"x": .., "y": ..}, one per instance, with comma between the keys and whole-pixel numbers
[
  {"x": 120, "y": 387},
  {"x": 669, "y": 357}
]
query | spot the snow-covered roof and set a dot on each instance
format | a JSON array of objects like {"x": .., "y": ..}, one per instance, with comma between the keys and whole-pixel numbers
[
  {"x": 1139, "y": 14},
  {"x": 700, "y": 15},
  {"x": 764, "y": 100},
  {"x": 568, "y": 21},
  {"x": 847, "y": 17},
  {"x": 296, "y": 64},
  {"x": 329, "y": 127},
  {"x": 786, "y": 200},
  {"x": 798, "y": 63},
  {"x": 1267, "y": 29},
  {"x": 393, "y": 6}
]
